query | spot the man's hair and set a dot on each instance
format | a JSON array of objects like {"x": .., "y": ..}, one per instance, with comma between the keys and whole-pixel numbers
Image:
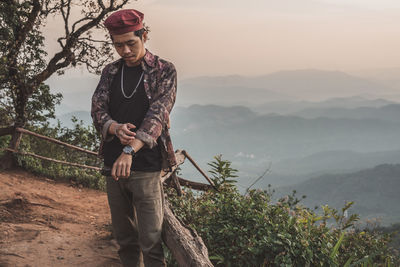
[{"x": 138, "y": 33}]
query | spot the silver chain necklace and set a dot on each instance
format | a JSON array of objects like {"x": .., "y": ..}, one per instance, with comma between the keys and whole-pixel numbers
[{"x": 122, "y": 83}]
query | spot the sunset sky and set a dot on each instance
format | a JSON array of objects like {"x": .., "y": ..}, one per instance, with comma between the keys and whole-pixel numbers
[{"x": 255, "y": 37}]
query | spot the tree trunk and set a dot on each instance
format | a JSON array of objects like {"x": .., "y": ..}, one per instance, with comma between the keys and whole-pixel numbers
[
  {"x": 9, "y": 161},
  {"x": 186, "y": 246},
  {"x": 7, "y": 130}
]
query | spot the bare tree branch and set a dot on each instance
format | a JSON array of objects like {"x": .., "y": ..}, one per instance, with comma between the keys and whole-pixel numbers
[
  {"x": 79, "y": 21},
  {"x": 71, "y": 41},
  {"x": 65, "y": 15},
  {"x": 260, "y": 177},
  {"x": 47, "y": 9},
  {"x": 101, "y": 4},
  {"x": 94, "y": 40},
  {"x": 59, "y": 40}
]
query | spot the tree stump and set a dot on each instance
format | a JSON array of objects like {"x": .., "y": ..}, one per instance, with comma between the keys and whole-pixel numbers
[{"x": 186, "y": 245}]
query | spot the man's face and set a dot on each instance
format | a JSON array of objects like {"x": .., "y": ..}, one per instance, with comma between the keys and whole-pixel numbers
[{"x": 130, "y": 47}]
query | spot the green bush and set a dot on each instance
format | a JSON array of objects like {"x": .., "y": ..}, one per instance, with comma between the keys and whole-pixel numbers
[{"x": 250, "y": 230}]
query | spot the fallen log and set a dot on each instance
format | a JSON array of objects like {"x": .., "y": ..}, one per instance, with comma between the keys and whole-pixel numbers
[
  {"x": 194, "y": 185},
  {"x": 180, "y": 159},
  {"x": 186, "y": 245}
]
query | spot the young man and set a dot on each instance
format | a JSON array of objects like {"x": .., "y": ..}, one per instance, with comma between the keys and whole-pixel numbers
[{"x": 131, "y": 107}]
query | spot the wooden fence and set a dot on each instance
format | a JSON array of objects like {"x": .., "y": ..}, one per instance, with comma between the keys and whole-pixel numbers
[{"x": 176, "y": 181}]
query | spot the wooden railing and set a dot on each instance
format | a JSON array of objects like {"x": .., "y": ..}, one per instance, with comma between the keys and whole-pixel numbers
[
  {"x": 176, "y": 181},
  {"x": 58, "y": 142}
]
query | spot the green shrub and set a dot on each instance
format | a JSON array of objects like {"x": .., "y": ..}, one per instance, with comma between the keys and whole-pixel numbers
[{"x": 250, "y": 230}]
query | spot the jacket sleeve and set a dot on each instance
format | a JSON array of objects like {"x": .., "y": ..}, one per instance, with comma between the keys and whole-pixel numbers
[
  {"x": 157, "y": 117},
  {"x": 100, "y": 106}
]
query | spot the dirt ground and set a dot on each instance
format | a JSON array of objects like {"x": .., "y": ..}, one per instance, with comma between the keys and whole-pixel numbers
[{"x": 47, "y": 223}]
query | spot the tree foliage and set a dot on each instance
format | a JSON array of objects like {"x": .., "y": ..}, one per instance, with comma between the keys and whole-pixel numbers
[
  {"x": 39, "y": 108},
  {"x": 23, "y": 64}
]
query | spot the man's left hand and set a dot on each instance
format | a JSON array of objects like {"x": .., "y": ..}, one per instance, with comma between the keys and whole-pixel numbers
[{"x": 122, "y": 167}]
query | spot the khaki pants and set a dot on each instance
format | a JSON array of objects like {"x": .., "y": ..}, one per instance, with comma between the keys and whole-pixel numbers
[{"x": 136, "y": 205}]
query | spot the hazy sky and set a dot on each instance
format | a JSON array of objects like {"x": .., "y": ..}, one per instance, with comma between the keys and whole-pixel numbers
[{"x": 254, "y": 37}]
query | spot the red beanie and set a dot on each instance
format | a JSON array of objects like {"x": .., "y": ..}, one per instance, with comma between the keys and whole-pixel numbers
[{"x": 123, "y": 21}]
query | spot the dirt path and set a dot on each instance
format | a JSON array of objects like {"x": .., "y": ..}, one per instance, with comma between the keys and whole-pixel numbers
[{"x": 44, "y": 223}]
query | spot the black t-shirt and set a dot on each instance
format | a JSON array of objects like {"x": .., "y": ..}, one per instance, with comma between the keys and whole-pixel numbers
[{"x": 131, "y": 110}]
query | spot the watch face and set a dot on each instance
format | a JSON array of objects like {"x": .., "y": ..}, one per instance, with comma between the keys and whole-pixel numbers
[{"x": 127, "y": 149}]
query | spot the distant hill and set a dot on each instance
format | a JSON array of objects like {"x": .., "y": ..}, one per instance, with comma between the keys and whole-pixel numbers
[
  {"x": 311, "y": 85},
  {"x": 205, "y": 117},
  {"x": 291, "y": 107},
  {"x": 77, "y": 91},
  {"x": 387, "y": 112},
  {"x": 238, "y": 131},
  {"x": 376, "y": 192},
  {"x": 286, "y": 136},
  {"x": 254, "y": 141},
  {"x": 387, "y": 76},
  {"x": 296, "y": 170},
  {"x": 335, "y": 161},
  {"x": 65, "y": 119},
  {"x": 284, "y": 86},
  {"x": 297, "y": 148}
]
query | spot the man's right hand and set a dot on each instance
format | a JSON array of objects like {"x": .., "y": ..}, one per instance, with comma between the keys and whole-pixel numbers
[{"x": 124, "y": 133}]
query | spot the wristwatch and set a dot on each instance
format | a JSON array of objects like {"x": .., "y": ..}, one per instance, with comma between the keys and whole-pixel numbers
[{"x": 128, "y": 150}]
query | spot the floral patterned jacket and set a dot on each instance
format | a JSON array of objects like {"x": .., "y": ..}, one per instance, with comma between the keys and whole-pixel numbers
[{"x": 160, "y": 86}]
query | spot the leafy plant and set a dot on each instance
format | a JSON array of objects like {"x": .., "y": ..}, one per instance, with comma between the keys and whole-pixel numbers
[
  {"x": 222, "y": 172},
  {"x": 251, "y": 230}
]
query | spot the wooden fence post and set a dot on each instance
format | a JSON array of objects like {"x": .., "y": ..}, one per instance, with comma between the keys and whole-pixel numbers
[{"x": 9, "y": 160}]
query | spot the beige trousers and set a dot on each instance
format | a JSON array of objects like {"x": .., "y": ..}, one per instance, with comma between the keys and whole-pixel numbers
[{"x": 136, "y": 206}]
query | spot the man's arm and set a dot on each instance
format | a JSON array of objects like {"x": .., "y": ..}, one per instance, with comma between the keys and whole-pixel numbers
[
  {"x": 156, "y": 118},
  {"x": 100, "y": 109},
  {"x": 122, "y": 166},
  {"x": 101, "y": 117}
]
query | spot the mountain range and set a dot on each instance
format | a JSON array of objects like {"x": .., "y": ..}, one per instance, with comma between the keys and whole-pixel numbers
[
  {"x": 280, "y": 88},
  {"x": 292, "y": 107},
  {"x": 388, "y": 112},
  {"x": 308, "y": 84},
  {"x": 297, "y": 148},
  {"x": 375, "y": 192}
]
